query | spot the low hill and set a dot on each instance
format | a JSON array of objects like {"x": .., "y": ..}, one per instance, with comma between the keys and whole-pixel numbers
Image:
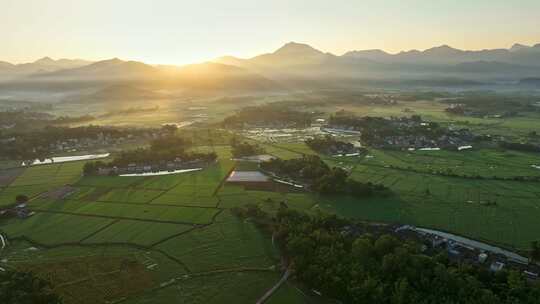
[
  {"x": 43, "y": 65},
  {"x": 118, "y": 93},
  {"x": 533, "y": 82},
  {"x": 102, "y": 70},
  {"x": 216, "y": 76}
]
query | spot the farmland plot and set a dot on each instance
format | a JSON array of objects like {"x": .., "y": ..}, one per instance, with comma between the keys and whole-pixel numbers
[
  {"x": 222, "y": 245},
  {"x": 137, "y": 232},
  {"x": 54, "y": 228}
]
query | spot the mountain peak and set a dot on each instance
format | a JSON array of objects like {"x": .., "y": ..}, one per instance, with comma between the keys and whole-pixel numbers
[
  {"x": 517, "y": 47},
  {"x": 373, "y": 54},
  {"x": 45, "y": 60},
  {"x": 443, "y": 49},
  {"x": 112, "y": 61},
  {"x": 294, "y": 47}
]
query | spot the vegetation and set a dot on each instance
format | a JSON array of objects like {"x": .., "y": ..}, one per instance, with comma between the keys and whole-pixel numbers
[
  {"x": 243, "y": 149},
  {"x": 161, "y": 150},
  {"x": 525, "y": 147},
  {"x": 268, "y": 115},
  {"x": 322, "y": 179},
  {"x": 25, "y": 288},
  {"x": 331, "y": 146},
  {"x": 382, "y": 269},
  {"x": 485, "y": 103},
  {"x": 41, "y": 144}
]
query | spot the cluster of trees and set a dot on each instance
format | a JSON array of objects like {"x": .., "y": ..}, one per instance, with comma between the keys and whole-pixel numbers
[
  {"x": 72, "y": 119},
  {"x": 39, "y": 144},
  {"x": 329, "y": 145},
  {"x": 163, "y": 149},
  {"x": 482, "y": 103},
  {"x": 535, "y": 251},
  {"x": 269, "y": 115},
  {"x": 321, "y": 178},
  {"x": 525, "y": 147},
  {"x": 25, "y": 120},
  {"x": 376, "y": 128},
  {"x": 25, "y": 288},
  {"x": 243, "y": 149},
  {"x": 449, "y": 172},
  {"x": 369, "y": 268}
]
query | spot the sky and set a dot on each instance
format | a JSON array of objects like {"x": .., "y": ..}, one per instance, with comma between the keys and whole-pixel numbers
[{"x": 190, "y": 31}]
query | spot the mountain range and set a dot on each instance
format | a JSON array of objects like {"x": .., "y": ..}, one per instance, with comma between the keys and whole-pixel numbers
[
  {"x": 292, "y": 66},
  {"x": 519, "y": 58},
  {"x": 43, "y": 65}
]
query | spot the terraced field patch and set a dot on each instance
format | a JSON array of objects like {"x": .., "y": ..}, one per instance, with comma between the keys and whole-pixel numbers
[
  {"x": 52, "y": 229},
  {"x": 129, "y": 195},
  {"x": 223, "y": 245},
  {"x": 142, "y": 212},
  {"x": 137, "y": 232}
]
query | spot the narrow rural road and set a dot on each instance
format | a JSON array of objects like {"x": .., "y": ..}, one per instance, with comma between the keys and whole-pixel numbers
[{"x": 271, "y": 291}]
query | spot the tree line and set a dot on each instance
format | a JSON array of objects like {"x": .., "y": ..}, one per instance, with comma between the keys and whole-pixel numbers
[
  {"x": 243, "y": 148},
  {"x": 163, "y": 149},
  {"x": 379, "y": 268},
  {"x": 321, "y": 178}
]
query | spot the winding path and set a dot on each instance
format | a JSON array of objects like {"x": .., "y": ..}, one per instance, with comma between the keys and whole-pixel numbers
[{"x": 271, "y": 291}]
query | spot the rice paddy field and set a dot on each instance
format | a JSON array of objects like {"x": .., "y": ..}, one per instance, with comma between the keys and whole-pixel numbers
[
  {"x": 483, "y": 201},
  {"x": 172, "y": 230},
  {"x": 177, "y": 235}
]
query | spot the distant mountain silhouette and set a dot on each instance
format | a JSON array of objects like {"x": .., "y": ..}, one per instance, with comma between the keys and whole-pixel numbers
[
  {"x": 291, "y": 54},
  {"x": 517, "y": 54},
  {"x": 295, "y": 60},
  {"x": 101, "y": 70},
  {"x": 43, "y": 65},
  {"x": 291, "y": 66},
  {"x": 217, "y": 76},
  {"x": 531, "y": 82},
  {"x": 118, "y": 93}
]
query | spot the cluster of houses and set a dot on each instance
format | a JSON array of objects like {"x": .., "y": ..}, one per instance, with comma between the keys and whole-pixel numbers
[
  {"x": 461, "y": 109},
  {"x": 100, "y": 141},
  {"x": 160, "y": 166},
  {"x": 459, "y": 249},
  {"x": 453, "y": 140},
  {"x": 469, "y": 251},
  {"x": 402, "y": 133},
  {"x": 20, "y": 210},
  {"x": 279, "y": 134}
]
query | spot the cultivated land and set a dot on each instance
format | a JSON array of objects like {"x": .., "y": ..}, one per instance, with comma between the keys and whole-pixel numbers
[
  {"x": 174, "y": 230},
  {"x": 176, "y": 235}
]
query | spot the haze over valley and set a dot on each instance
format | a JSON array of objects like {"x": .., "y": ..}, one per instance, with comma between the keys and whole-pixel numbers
[{"x": 270, "y": 152}]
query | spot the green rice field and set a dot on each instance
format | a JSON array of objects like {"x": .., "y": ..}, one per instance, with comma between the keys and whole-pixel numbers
[{"x": 181, "y": 228}]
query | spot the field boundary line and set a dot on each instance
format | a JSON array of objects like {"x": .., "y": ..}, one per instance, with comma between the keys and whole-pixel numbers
[
  {"x": 99, "y": 230},
  {"x": 176, "y": 280},
  {"x": 102, "y": 244},
  {"x": 223, "y": 180},
  {"x": 174, "y": 236},
  {"x": 156, "y": 204},
  {"x": 120, "y": 217}
]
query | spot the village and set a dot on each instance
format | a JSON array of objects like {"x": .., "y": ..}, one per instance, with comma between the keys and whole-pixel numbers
[
  {"x": 157, "y": 167},
  {"x": 402, "y": 133},
  {"x": 457, "y": 249}
]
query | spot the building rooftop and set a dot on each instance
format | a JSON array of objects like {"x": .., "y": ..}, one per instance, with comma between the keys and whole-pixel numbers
[{"x": 247, "y": 176}]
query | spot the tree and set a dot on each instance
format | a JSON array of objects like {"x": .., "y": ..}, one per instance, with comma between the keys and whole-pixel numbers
[
  {"x": 25, "y": 288},
  {"x": 535, "y": 251},
  {"x": 170, "y": 128},
  {"x": 21, "y": 199}
]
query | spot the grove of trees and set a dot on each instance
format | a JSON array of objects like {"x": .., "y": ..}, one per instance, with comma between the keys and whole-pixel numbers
[
  {"x": 322, "y": 179},
  {"x": 379, "y": 268}
]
